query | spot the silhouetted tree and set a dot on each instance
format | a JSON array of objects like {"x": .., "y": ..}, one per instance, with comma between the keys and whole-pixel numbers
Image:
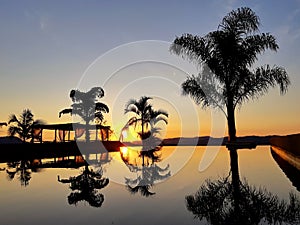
[
  {"x": 23, "y": 126},
  {"x": 229, "y": 53},
  {"x": 145, "y": 116},
  {"x": 87, "y": 106}
]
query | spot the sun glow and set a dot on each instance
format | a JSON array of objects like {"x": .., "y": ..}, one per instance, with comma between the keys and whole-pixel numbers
[{"x": 124, "y": 150}]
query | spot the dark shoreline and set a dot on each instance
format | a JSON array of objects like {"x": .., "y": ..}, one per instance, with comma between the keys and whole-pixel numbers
[{"x": 211, "y": 141}]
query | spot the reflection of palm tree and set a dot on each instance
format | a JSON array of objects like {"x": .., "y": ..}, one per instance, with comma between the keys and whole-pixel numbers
[
  {"x": 236, "y": 202},
  {"x": 86, "y": 105},
  {"x": 147, "y": 174},
  {"x": 229, "y": 53},
  {"x": 21, "y": 168},
  {"x": 146, "y": 178},
  {"x": 146, "y": 117},
  {"x": 23, "y": 126},
  {"x": 85, "y": 186}
]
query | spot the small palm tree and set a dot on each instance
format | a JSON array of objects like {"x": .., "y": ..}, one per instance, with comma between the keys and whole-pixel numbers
[
  {"x": 24, "y": 125},
  {"x": 145, "y": 115},
  {"x": 230, "y": 53},
  {"x": 87, "y": 106}
]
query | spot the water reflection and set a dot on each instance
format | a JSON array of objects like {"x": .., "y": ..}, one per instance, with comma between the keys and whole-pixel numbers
[
  {"x": 291, "y": 172},
  {"x": 22, "y": 169},
  {"x": 86, "y": 186},
  {"x": 229, "y": 200},
  {"x": 147, "y": 172}
]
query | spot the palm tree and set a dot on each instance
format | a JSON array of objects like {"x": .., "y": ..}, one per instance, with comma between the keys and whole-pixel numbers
[
  {"x": 87, "y": 106},
  {"x": 24, "y": 125},
  {"x": 146, "y": 116},
  {"x": 229, "y": 54}
]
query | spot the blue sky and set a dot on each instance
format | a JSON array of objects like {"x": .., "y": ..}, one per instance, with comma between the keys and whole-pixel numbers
[{"x": 45, "y": 47}]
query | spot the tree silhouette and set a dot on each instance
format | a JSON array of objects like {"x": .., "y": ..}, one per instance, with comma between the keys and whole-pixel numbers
[
  {"x": 87, "y": 106},
  {"x": 145, "y": 116},
  {"x": 227, "y": 56},
  {"x": 23, "y": 126},
  {"x": 85, "y": 187},
  {"x": 226, "y": 201}
]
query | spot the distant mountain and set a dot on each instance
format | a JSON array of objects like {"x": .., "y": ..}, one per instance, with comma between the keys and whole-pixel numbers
[
  {"x": 10, "y": 140},
  {"x": 206, "y": 140}
]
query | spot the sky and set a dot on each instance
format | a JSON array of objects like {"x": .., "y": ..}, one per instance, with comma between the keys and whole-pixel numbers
[{"x": 48, "y": 48}]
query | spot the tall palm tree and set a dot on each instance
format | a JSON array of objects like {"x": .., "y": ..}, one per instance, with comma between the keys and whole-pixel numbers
[
  {"x": 87, "y": 106},
  {"x": 24, "y": 125},
  {"x": 229, "y": 54},
  {"x": 145, "y": 115}
]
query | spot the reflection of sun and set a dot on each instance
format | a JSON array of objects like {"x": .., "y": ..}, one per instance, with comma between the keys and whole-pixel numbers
[{"x": 124, "y": 150}]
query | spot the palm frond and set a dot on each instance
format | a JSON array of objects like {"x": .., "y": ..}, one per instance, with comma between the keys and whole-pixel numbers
[
  {"x": 38, "y": 122},
  {"x": 65, "y": 111},
  {"x": 191, "y": 87},
  {"x": 159, "y": 118},
  {"x": 254, "y": 45},
  {"x": 95, "y": 92},
  {"x": 12, "y": 118},
  {"x": 261, "y": 80},
  {"x": 189, "y": 47},
  {"x": 12, "y": 130},
  {"x": 102, "y": 107},
  {"x": 242, "y": 20}
]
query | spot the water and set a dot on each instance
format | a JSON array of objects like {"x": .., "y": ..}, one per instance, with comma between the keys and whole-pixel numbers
[{"x": 44, "y": 200}]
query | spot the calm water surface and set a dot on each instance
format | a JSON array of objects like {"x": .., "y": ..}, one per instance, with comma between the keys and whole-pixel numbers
[{"x": 41, "y": 199}]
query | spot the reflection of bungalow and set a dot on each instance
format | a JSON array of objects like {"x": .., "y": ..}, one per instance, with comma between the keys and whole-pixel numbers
[{"x": 62, "y": 132}]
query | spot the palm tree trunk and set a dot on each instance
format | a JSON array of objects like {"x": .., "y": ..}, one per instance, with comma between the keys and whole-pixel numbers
[{"x": 231, "y": 121}]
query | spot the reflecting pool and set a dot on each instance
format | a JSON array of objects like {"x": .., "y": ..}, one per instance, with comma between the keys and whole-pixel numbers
[{"x": 127, "y": 188}]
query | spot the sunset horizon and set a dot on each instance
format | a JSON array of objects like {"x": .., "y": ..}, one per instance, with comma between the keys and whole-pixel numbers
[{"x": 150, "y": 112}]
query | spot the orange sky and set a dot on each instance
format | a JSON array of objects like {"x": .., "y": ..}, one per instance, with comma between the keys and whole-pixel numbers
[{"x": 44, "y": 56}]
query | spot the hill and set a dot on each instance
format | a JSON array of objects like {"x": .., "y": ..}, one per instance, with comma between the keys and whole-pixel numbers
[
  {"x": 206, "y": 140},
  {"x": 10, "y": 140}
]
